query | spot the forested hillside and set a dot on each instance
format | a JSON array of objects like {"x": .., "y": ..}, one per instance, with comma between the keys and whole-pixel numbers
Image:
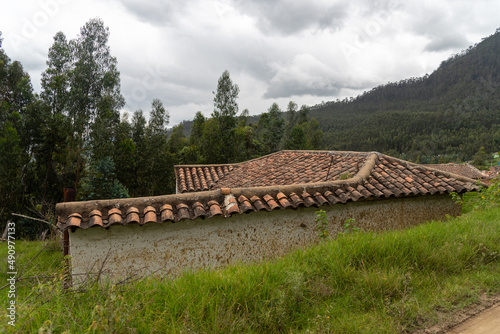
[{"x": 447, "y": 115}]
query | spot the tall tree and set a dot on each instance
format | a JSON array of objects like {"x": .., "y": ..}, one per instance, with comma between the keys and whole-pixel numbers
[
  {"x": 124, "y": 154},
  {"x": 225, "y": 110},
  {"x": 177, "y": 140},
  {"x": 141, "y": 158},
  {"x": 15, "y": 97},
  {"x": 94, "y": 89},
  {"x": 55, "y": 79},
  {"x": 53, "y": 161},
  {"x": 160, "y": 178},
  {"x": 95, "y": 80},
  {"x": 271, "y": 127},
  {"x": 314, "y": 135},
  {"x": 197, "y": 129},
  {"x": 290, "y": 122}
]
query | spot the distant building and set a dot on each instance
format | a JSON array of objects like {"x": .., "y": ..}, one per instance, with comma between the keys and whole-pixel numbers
[{"x": 467, "y": 170}]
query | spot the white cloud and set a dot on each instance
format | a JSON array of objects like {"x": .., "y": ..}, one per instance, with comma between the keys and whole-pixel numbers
[{"x": 275, "y": 51}]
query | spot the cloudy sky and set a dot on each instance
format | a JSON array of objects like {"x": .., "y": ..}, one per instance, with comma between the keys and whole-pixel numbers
[{"x": 276, "y": 51}]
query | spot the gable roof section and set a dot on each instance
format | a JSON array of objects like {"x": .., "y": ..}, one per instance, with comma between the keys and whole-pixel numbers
[
  {"x": 199, "y": 177},
  {"x": 280, "y": 168},
  {"x": 370, "y": 176},
  {"x": 466, "y": 170}
]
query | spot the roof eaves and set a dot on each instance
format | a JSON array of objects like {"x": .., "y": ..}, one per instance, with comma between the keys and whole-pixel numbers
[{"x": 225, "y": 201}]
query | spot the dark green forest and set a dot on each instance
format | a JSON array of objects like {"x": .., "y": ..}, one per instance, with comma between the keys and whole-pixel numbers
[
  {"x": 442, "y": 117},
  {"x": 72, "y": 133}
]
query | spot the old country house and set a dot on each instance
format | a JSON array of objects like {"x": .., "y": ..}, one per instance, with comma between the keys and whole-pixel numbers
[{"x": 253, "y": 210}]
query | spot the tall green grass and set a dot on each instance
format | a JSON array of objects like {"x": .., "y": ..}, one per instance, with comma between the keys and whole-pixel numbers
[{"x": 358, "y": 283}]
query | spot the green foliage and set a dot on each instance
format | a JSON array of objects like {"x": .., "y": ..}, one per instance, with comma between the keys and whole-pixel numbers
[
  {"x": 350, "y": 226},
  {"x": 487, "y": 197},
  {"x": 177, "y": 140},
  {"x": 55, "y": 79},
  {"x": 322, "y": 224},
  {"x": 480, "y": 158},
  {"x": 248, "y": 145},
  {"x": 124, "y": 154},
  {"x": 297, "y": 139},
  {"x": 101, "y": 182},
  {"x": 156, "y": 176},
  {"x": 271, "y": 128},
  {"x": 224, "y": 114},
  {"x": 10, "y": 168},
  {"x": 94, "y": 81},
  {"x": 211, "y": 147},
  {"x": 197, "y": 129},
  {"x": 457, "y": 198},
  {"x": 225, "y": 104},
  {"x": 346, "y": 176}
]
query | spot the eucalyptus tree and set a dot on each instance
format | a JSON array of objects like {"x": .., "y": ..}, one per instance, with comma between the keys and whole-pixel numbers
[
  {"x": 16, "y": 95},
  {"x": 55, "y": 155},
  {"x": 94, "y": 94},
  {"x": 55, "y": 79},
  {"x": 158, "y": 165},
  {"x": 224, "y": 114},
  {"x": 271, "y": 128},
  {"x": 95, "y": 79}
]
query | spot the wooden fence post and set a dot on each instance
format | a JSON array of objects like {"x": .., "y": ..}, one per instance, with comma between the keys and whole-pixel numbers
[{"x": 69, "y": 196}]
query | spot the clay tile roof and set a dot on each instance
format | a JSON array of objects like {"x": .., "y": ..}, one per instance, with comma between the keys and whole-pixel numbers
[
  {"x": 466, "y": 170},
  {"x": 283, "y": 180}
]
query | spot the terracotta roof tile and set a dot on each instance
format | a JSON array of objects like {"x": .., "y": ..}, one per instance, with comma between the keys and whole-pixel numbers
[
  {"x": 258, "y": 203},
  {"x": 95, "y": 218},
  {"x": 149, "y": 215},
  {"x": 114, "y": 216},
  {"x": 215, "y": 209},
  {"x": 198, "y": 210},
  {"x": 279, "y": 181},
  {"x": 132, "y": 215},
  {"x": 245, "y": 205},
  {"x": 296, "y": 200},
  {"x": 232, "y": 207},
  {"x": 284, "y": 202},
  {"x": 271, "y": 202},
  {"x": 167, "y": 213},
  {"x": 343, "y": 198},
  {"x": 320, "y": 199},
  {"x": 308, "y": 199},
  {"x": 75, "y": 220}
]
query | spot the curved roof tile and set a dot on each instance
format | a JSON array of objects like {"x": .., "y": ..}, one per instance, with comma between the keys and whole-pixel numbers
[{"x": 333, "y": 177}]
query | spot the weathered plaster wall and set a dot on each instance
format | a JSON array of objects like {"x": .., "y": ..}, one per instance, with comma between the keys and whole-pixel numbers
[{"x": 170, "y": 248}]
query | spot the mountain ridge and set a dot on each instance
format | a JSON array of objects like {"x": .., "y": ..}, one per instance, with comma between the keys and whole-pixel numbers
[{"x": 450, "y": 113}]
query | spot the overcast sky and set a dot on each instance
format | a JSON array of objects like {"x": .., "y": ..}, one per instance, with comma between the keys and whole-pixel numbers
[{"x": 276, "y": 51}]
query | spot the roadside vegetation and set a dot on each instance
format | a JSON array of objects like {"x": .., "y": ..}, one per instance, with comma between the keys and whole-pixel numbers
[{"x": 359, "y": 282}]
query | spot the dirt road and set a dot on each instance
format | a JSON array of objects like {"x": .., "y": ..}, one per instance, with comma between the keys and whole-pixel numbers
[{"x": 486, "y": 322}]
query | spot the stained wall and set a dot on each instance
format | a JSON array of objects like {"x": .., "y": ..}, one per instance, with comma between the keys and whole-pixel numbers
[{"x": 169, "y": 248}]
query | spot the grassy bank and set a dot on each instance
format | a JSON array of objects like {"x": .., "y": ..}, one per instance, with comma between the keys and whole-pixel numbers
[{"x": 359, "y": 283}]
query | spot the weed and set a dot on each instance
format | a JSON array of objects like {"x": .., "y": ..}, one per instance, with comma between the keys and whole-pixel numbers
[
  {"x": 322, "y": 224},
  {"x": 346, "y": 176},
  {"x": 350, "y": 226},
  {"x": 486, "y": 197},
  {"x": 457, "y": 198}
]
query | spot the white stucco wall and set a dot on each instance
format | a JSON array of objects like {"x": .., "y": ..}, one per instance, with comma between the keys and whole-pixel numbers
[{"x": 170, "y": 248}]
